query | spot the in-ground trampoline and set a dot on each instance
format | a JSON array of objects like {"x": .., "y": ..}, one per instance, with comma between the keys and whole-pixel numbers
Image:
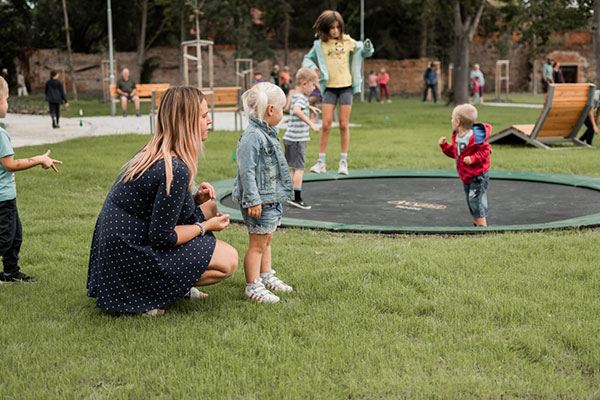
[{"x": 433, "y": 201}]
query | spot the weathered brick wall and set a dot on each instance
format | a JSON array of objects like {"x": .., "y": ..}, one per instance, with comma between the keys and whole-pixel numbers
[{"x": 406, "y": 76}]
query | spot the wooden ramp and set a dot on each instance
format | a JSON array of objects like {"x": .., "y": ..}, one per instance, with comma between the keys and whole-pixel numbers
[{"x": 566, "y": 107}]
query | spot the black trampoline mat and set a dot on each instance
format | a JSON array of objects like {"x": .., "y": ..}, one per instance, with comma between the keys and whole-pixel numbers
[{"x": 432, "y": 202}]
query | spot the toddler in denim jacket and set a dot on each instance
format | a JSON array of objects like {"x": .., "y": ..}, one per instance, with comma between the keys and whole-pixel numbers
[{"x": 263, "y": 182}]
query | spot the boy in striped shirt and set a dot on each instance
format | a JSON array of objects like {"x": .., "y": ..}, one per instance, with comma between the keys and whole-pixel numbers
[{"x": 297, "y": 134}]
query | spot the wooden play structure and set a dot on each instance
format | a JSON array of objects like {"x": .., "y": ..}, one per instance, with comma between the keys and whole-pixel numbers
[
  {"x": 566, "y": 107},
  {"x": 502, "y": 77},
  {"x": 105, "y": 71},
  {"x": 244, "y": 73},
  {"x": 196, "y": 57}
]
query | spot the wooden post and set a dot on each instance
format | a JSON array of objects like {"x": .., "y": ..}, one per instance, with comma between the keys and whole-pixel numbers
[{"x": 186, "y": 73}]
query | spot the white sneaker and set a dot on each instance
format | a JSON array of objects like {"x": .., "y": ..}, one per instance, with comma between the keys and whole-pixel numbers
[
  {"x": 274, "y": 283},
  {"x": 319, "y": 167},
  {"x": 389, "y": 101},
  {"x": 259, "y": 293},
  {"x": 343, "y": 168}
]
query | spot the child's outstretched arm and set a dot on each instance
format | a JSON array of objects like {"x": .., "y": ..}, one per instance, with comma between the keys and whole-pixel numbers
[
  {"x": 446, "y": 147},
  {"x": 298, "y": 113},
  {"x": 10, "y": 164},
  {"x": 482, "y": 154}
]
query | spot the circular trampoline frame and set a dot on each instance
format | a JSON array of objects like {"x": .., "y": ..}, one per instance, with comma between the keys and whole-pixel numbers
[{"x": 224, "y": 189}]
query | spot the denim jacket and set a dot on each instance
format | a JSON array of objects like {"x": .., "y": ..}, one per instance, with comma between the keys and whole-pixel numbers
[
  {"x": 315, "y": 59},
  {"x": 263, "y": 175}
]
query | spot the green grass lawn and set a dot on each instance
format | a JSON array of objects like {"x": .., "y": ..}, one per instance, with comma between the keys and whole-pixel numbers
[{"x": 372, "y": 316}]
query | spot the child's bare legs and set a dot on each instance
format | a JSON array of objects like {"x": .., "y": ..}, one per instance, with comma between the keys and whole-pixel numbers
[
  {"x": 258, "y": 256},
  {"x": 327, "y": 115},
  {"x": 297, "y": 175},
  {"x": 345, "y": 111},
  {"x": 480, "y": 221}
]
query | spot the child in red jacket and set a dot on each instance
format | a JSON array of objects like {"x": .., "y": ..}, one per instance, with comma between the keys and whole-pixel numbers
[{"x": 472, "y": 153}]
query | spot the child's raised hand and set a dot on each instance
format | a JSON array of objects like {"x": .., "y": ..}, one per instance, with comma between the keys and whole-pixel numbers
[
  {"x": 442, "y": 141},
  {"x": 47, "y": 162},
  {"x": 467, "y": 160},
  {"x": 255, "y": 211},
  {"x": 316, "y": 110}
]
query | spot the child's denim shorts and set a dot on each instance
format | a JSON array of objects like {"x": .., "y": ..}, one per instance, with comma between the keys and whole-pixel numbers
[
  {"x": 476, "y": 193},
  {"x": 270, "y": 219}
]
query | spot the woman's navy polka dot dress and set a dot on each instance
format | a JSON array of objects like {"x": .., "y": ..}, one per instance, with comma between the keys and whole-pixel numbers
[{"x": 135, "y": 265}]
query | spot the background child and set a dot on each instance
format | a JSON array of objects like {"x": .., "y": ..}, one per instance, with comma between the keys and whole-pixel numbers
[
  {"x": 285, "y": 80},
  {"x": 257, "y": 78},
  {"x": 297, "y": 134},
  {"x": 263, "y": 182},
  {"x": 11, "y": 233},
  {"x": 472, "y": 153},
  {"x": 373, "y": 86},
  {"x": 337, "y": 59},
  {"x": 383, "y": 78},
  {"x": 55, "y": 96}
]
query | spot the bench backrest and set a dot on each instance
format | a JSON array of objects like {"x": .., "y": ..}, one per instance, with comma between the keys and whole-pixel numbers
[
  {"x": 566, "y": 107},
  {"x": 143, "y": 89},
  {"x": 224, "y": 96}
]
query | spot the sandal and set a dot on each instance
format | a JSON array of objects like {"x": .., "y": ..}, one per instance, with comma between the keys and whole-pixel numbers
[
  {"x": 157, "y": 312},
  {"x": 195, "y": 294}
]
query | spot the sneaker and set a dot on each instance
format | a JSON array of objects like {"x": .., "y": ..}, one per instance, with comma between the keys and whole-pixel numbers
[
  {"x": 299, "y": 204},
  {"x": 259, "y": 293},
  {"x": 137, "y": 113},
  {"x": 124, "y": 113},
  {"x": 319, "y": 167},
  {"x": 389, "y": 101},
  {"x": 16, "y": 277},
  {"x": 157, "y": 312},
  {"x": 274, "y": 283},
  {"x": 343, "y": 168}
]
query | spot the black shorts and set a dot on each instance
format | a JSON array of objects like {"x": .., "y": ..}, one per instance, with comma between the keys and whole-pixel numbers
[
  {"x": 295, "y": 153},
  {"x": 344, "y": 95}
]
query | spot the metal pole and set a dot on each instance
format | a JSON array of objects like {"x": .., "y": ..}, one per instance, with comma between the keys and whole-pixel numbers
[
  {"x": 362, "y": 38},
  {"x": 110, "y": 56}
]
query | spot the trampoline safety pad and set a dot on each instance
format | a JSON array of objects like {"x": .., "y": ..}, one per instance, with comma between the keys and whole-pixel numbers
[{"x": 433, "y": 201}]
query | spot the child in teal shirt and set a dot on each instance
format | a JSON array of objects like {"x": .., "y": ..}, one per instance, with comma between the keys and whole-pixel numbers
[{"x": 11, "y": 234}]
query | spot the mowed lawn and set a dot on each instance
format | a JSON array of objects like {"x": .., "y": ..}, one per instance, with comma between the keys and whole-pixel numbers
[{"x": 371, "y": 317}]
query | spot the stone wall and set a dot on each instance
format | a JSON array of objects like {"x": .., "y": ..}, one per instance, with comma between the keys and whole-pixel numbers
[{"x": 406, "y": 76}]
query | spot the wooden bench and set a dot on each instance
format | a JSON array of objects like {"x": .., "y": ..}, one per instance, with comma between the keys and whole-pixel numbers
[
  {"x": 566, "y": 107},
  {"x": 142, "y": 90},
  {"x": 226, "y": 99}
]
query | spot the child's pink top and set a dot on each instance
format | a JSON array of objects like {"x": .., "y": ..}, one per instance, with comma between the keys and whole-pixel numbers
[
  {"x": 284, "y": 78},
  {"x": 383, "y": 78},
  {"x": 372, "y": 80}
]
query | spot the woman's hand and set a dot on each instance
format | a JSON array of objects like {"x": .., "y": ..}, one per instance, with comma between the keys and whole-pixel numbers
[
  {"x": 255, "y": 211},
  {"x": 218, "y": 222},
  {"x": 205, "y": 192}
]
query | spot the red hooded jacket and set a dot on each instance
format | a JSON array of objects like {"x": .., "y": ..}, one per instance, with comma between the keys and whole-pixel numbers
[{"x": 478, "y": 149}]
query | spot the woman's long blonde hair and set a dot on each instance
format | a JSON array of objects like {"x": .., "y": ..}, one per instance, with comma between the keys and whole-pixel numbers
[{"x": 177, "y": 130}]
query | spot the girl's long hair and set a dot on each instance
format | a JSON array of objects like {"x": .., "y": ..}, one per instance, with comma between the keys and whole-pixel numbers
[
  {"x": 325, "y": 21},
  {"x": 177, "y": 130}
]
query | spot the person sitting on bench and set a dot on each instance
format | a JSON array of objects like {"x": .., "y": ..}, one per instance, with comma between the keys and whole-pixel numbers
[{"x": 126, "y": 90}]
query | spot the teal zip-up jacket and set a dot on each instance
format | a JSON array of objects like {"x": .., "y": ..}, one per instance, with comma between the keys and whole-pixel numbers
[{"x": 315, "y": 59}]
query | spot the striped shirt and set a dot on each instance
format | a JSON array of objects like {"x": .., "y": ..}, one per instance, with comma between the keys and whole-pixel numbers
[{"x": 297, "y": 130}]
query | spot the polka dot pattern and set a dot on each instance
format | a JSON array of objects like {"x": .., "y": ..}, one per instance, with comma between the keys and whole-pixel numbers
[{"x": 135, "y": 265}]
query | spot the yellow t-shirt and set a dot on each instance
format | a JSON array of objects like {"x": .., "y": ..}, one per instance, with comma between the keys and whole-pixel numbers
[{"x": 337, "y": 58}]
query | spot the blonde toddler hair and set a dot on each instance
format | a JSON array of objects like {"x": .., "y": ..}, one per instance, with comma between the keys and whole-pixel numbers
[
  {"x": 3, "y": 87},
  {"x": 305, "y": 74},
  {"x": 256, "y": 99},
  {"x": 466, "y": 114}
]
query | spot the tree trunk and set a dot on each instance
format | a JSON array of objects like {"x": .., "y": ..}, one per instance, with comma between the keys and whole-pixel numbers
[
  {"x": 71, "y": 72},
  {"x": 596, "y": 31},
  {"x": 141, "y": 48},
  {"x": 181, "y": 39},
  {"x": 424, "y": 32},
  {"x": 463, "y": 35},
  {"x": 460, "y": 77},
  {"x": 286, "y": 38}
]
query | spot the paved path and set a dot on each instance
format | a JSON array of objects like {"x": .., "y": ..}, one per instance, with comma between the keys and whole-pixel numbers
[
  {"x": 29, "y": 130},
  {"x": 518, "y": 105}
]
